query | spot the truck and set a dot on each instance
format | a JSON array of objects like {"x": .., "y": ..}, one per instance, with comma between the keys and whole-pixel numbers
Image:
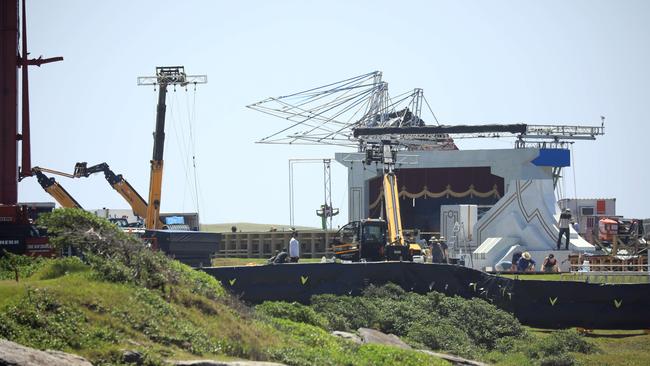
[{"x": 377, "y": 239}]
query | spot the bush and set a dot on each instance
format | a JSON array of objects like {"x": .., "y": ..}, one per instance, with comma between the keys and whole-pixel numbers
[
  {"x": 346, "y": 312},
  {"x": 484, "y": 323},
  {"x": 442, "y": 336},
  {"x": 119, "y": 257},
  {"x": 292, "y": 311},
  {"x": 56, "y": 268},
  {"x": 560, "y": 343},
  {"x": 464, "y": 327},
  {"x": 26, "y": 266}
]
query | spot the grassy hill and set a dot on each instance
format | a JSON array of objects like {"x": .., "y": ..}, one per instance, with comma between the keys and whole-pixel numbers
[{"x": 124, "y": 296}]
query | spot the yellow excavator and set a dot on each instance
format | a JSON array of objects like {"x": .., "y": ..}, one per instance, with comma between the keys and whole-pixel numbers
[{"x": 378, "y": 239}]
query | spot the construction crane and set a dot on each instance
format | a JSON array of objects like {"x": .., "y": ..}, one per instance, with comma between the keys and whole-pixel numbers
[{"x": 165, "y": 76}]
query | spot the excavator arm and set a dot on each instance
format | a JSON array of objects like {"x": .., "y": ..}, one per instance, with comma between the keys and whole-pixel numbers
[
  {"x": 54, "y": 189},
  {"x": 121, "y": 185}
]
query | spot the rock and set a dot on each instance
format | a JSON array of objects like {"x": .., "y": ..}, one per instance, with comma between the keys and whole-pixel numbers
[
  {"x": 225, "y": 363},
  {"x": 135, "y": 357},
  {"x": 374, "y": 336},
  {"x": 349, "y": 336},
  {"x": 14, "y": 354}
]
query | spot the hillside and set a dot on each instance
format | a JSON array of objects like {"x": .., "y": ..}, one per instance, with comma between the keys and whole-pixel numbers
[{"x": 126, "y": 297}]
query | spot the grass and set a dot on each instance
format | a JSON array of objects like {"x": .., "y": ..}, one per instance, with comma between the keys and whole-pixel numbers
[
  {"x": 621, "y": 348},
  {"x": 65, "y": 305}
]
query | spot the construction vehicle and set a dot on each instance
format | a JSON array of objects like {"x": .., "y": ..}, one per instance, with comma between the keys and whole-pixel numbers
[
  {"x": 378, "y": 239},
  {"x": 165, "y": 76},
  {"x": 51, "y": 186},
  {"x": 117, "y": 181}
]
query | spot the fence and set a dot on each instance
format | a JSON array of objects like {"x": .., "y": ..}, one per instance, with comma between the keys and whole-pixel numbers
[{"x": 264, "y": 244}]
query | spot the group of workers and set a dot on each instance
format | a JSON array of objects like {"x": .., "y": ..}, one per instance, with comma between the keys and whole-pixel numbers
[
  {"x": 293, "y": 256},
  {"x": 524, "y": 262}
]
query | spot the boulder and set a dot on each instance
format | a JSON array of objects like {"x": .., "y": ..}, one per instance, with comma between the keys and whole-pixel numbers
[
  {"x": 374, "y": 336},
  {"x": 349, "y": 336},
  {"x": 14, "y": 354}
]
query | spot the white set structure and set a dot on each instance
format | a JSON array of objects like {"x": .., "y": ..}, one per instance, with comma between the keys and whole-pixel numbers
[{"x": 503, "y": 199}]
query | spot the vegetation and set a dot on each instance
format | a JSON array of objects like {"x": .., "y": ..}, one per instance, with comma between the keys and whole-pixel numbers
[
  {"x": 471, "y": 328},
  {"x": 120, "y": 295}
]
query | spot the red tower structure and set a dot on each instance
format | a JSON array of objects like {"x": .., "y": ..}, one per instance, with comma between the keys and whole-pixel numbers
[
  {"x": 17, "y": 232},
  {"x": 10, "y": 62}
]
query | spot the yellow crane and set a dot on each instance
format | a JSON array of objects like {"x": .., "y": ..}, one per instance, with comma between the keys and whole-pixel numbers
[{"x": 165, "y": 76}]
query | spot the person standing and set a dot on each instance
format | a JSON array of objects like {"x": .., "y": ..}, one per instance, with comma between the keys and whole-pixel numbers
[
  {"x": 437, "y": 255},
  {"x": 294, "y": 248},
  {"x": 565, "y": 220}
]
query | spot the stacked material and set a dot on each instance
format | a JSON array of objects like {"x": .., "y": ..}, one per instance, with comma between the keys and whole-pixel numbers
[{"x": 194, "y": 248}]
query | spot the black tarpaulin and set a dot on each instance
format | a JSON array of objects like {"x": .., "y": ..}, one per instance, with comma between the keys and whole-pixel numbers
[
  {"x": 548, "y": 304},
  {"x": 193, "y": 248}
]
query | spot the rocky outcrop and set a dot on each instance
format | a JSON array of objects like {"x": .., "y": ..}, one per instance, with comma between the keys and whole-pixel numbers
[
  {"x": 374, "y": 336},
  {"x": 14, "y": 354},
  {"x": 349, "y": 336}
]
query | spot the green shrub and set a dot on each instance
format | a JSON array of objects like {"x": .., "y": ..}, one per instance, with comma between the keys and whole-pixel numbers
[
  {"x": 442, "y": 336},
  {"x": 292, "y": 311},
  {"x": 388, "y": 291},
  {"x": 559, "y": 343},
  {"x": 56, "y": 268},
  {"x": 484, "y": 323},
  {"x": 376, "y": 355},
  {"x": 453, "y": 324},
  {"x": 118, "y": 257},
  {"x": 40, "y": 320},
  {"x": 346, "y": 312},
  {"x": 26, "y": 266}
]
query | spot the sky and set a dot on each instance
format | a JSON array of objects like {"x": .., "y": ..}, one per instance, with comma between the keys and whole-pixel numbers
[{"x": 536, "y": 62}]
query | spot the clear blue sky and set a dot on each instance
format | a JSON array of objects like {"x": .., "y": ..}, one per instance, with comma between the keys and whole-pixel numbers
[{"x": 478, "y": 62}]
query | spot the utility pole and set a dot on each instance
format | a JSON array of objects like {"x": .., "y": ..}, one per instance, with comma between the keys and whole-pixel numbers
[{"x": 165, "y": 76}]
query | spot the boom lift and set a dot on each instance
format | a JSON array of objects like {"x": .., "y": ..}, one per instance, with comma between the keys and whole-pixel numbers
[
  {"x": 117, "y": 181},
  {"x": 51, "y": 186},
  {"x": 378, "y": 239}
]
